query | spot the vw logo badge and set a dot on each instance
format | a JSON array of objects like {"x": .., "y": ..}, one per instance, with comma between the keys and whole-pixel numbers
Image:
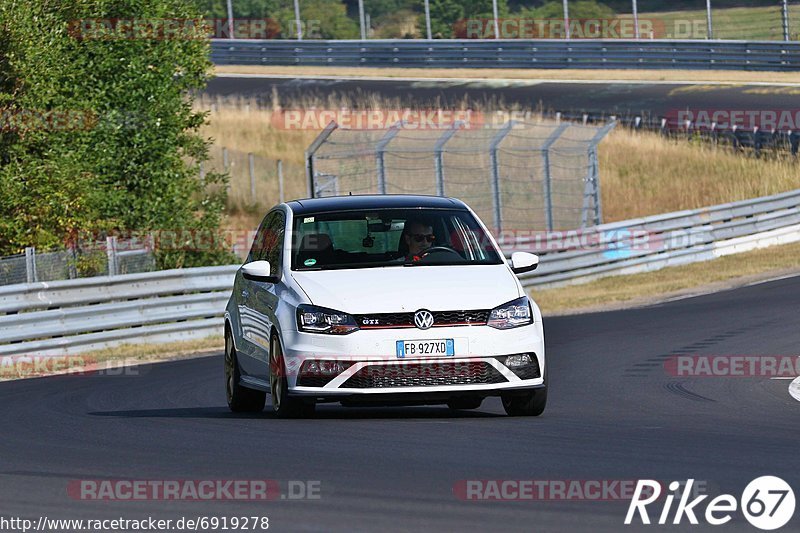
[{"x": 423, "y": 319}]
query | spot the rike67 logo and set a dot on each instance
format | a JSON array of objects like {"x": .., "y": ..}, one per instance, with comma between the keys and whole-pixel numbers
[{"x": 767, "y": 503}]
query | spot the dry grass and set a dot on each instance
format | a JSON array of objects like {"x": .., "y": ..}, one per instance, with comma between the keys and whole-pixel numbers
[
  {"x": 726, "y": 271},
  {"x": 521, "y": 74},
  {"x": 641, "y": 173},
  {"x": 646, "y": 174}
]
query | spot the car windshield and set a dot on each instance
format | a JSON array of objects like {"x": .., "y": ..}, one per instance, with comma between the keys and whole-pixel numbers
[{"x": 389, "y": 237}]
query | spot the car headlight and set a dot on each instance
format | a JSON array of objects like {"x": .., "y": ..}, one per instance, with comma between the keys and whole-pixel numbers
[
  {"x": 313, "y": 319},
  {"x": 512, "y": 314}
]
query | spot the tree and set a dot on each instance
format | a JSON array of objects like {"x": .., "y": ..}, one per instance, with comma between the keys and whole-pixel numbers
[{"x": 109, "y": 138}]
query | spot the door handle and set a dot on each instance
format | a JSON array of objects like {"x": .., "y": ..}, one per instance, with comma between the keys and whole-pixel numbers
[{"x": 245, "y": 293}]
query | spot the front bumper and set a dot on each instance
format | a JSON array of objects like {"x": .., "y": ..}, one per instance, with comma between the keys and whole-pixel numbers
[{"x": 373, "y": 367}]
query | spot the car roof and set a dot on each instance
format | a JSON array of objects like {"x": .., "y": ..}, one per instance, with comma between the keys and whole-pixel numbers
[{"x": 373, "y": 201}]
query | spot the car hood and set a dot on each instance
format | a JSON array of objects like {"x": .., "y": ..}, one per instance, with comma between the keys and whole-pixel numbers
[{"x": 398, "y": 289}]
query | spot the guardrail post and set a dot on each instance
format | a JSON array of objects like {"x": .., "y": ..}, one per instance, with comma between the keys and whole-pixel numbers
[
  {"x": 111, "y": 255},
  {"x": 548, "y": 190},
  {"x": 497, "y": 200},
  {"x": 30, "y": 265},
  {"x": 438, "y": 152},
  {"x": 380, "y": 150}
]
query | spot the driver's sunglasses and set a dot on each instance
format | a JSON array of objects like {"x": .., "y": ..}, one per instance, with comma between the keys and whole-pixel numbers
[{"x": 420, "y": 237}]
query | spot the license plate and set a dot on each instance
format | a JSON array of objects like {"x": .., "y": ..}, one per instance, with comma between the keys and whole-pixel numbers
[{"x": 427, "y": 348}]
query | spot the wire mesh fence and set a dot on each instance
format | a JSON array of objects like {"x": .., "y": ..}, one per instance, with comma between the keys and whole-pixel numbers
[
  {"x": 516, "y": 176},
  {"x": 609, "y": 19},
  {"x": 256, "y": 183},
  {"x": 84, "y": 261}
]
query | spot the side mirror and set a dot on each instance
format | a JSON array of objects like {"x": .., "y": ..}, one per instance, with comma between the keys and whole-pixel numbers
[
  {"x": 522, "y": 262},
  {"x": 258, "y": 271}
]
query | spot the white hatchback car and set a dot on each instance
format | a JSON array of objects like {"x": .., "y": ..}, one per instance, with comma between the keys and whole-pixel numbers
[{"x": 392, "y": 300}]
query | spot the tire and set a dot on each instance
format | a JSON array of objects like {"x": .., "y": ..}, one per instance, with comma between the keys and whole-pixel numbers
[
  {"x": 283, "y": 405},
  {"x": 240, "y": 399},
  {"x": 531, "y": 403},
  {"x": 465, "y": 402}
]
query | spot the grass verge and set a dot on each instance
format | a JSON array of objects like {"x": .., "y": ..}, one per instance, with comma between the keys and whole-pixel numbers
[
  {"x": 650, "y": 287},
  {"x": 105, "y": 359}
]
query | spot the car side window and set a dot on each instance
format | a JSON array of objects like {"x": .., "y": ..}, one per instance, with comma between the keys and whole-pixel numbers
[
  {"x": 257, "y": 249},
  {"x": 272, "y": 243}
]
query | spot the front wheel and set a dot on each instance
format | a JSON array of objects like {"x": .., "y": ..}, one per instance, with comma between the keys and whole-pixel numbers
[
  {"x": 240, "y": 399},
  {"x": 283, "y": 405},
  {"x": 530, "y": 403}
]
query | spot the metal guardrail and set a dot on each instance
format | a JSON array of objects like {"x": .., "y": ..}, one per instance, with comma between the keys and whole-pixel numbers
[
  {"x": 74, "y": 316},
  {"x": 553, "y": 54},
  {"x": 650, "y": 243}
]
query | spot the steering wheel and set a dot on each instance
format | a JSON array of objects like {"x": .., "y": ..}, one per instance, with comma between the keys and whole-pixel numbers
[{"x": 439, "y": 249}]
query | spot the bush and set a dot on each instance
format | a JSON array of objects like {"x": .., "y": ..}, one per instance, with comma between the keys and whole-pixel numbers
[{"x": 113, "y": 143}]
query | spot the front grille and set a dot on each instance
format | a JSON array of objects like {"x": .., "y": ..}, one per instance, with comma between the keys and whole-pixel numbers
[
  {"x": 406, "y": 320},
  {"x": 424, "y": 375}
]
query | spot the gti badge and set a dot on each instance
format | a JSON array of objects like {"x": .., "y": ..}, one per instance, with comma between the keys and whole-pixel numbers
[{"x": 423, "y": 319}]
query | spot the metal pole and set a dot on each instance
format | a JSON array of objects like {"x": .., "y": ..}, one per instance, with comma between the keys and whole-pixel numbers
[
  {"x": 496, "y": 22},
  {"x": 111, "y": 255},
  {"x": 428, "y": 18},
  {"x": 297, "y": 20},
  {"x": 785, "y": 12},
  {"x": 226, "y": 166},
  {"x": 566, "y": 19},
  {"x": 708, "y": 16},
  {"x": 30, "y": 264},
  {"x": 280, "y": 181},
  {"x": 361, "y": 21},
  {"x": 230, "y": 21},
  {"x": 548, "y": 181},
  {"x": 636, "y": 18},
  {"x": 252, "y": 168},
  {"x": 495, "y": 165},
  {"x": 309, "y": 156},
  {"x": 438, "y": 160},
  {"x": 380, "y": 149}
]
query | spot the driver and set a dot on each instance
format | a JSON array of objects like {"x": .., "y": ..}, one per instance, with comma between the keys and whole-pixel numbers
[{"x": 418, "y": 236}]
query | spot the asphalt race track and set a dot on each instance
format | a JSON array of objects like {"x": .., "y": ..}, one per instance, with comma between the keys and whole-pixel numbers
[
  {"x": 614, "y": 414},
  {"x": 631, "y": 98}
]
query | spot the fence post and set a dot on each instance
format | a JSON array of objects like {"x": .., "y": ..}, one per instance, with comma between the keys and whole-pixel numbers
[
  {"x": 785, "y": 16},
  {"x": 548, "y": 182},
  {"x": 280, "y": 180},
  {"x": 380, "y": 149},
  {"x": 438, "y": 152},
  {"x": 252, "y": 170},
  {"x": 111, "y": 255},
  {"x": 708, "y": 20},
  {"x": 498, "y": 206},
  {"x": 30, "y": 265},
  {"x": 309, "y": 156},
  {"x": 592, "y": 188},
  {"x": 73, "y": 262},
  {"x": 226, "y": 167}
]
